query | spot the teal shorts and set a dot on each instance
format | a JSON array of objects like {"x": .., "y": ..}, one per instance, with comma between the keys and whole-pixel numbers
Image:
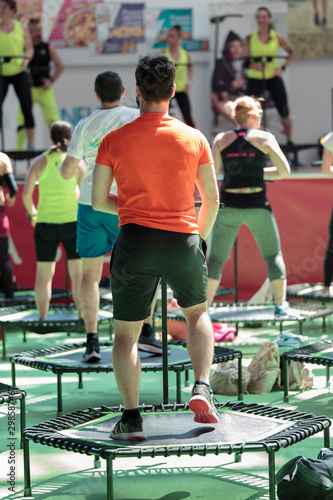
[
  {"x": 142, "y": 255},
  {"x": 96, "y": 232}
]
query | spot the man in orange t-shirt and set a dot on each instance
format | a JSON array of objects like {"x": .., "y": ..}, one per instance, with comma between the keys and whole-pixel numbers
[{"x": 156, "y": 161}]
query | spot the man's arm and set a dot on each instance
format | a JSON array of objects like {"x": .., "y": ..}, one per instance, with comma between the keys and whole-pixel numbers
[
  {"x": 102, "y": 199},
  {"x": 59, "y": 68},
  {"x": 207, "y": 185},
  {"x": 69, "y": 167}
]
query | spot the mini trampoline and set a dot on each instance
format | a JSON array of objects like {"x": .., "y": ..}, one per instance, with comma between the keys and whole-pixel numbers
[
  {"x": 60, "y": 318},
  {"x": 242, "y": 313},
  {"x": 24, "y": 296},
  {"x": 171, "y": 431},
  {"x": 319, "y": 353},
  {"x": 68, "y": 359},
  {"x": 10, "y": 394},
  {"x": 309, "y": 291}
]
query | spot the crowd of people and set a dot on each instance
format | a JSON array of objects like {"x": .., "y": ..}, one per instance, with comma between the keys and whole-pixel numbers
[{"x": 109, "y": 185}]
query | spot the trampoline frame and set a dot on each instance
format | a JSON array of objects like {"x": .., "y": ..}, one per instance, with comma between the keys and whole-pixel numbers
[
  {"x": 317, "y": 311},
  {"x": 307, "y": 297},
  {"x": 304, "y": 425},
  {"x": 58, "y": 325},
  {"x": 302, "y": 355},
  {"x": 29, "y": 358},
  {"x": 57, "y": 294},
  {"x": 15, "y": 394}
]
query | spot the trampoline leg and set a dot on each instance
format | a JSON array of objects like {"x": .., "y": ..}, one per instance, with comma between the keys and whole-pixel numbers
[
  {"x": 59, "y": 393},
  {"x": 3, "y": 331},
  {"x": 13, "y": 374},
  {"x": 240, "y": 380},
  {"x": 179, "y": 397},
  {"x": 324, "y": 324},
  {"x": 109, "y": 479},
  {"x": 26, "y": 465},
  {"x": 300, "y": 327},
  {"x": 187, "y": 378},
  {"x": 327, "y": 437},
  {"x": 80, "y": 381},
  {"x": 271, "y": 474},
  {"x": 238, "y": 457},
  {"x": 24, "y": 335},
  {"x": 327, "y": 376},
  {"x": 22, "y": 420},
  {"x": 97, "y": 462},
  {"x": 285, "y": 374}
]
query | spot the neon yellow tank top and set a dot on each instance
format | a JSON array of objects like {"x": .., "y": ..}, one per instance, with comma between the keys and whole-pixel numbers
[
  {"x": 259, "y": 49},
  {"x": 181, "y": 68},
  {"x": 12, "y": 44},
  {"x": 57, "y": 200}
]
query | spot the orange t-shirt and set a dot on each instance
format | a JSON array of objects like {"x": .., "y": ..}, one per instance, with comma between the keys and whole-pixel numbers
[{"x": 155, "y": 159}]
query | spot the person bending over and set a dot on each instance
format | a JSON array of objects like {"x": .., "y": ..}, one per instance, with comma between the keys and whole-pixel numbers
[
  {"x": 55, "y": 217},
  {"x": 241, "y": 153},
  {"x": 160, "y": 236}
]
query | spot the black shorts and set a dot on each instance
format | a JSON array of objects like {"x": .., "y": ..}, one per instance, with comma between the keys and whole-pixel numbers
[
  {"x": 142, "y": 255},
  {"x": 276, "y": 88},
  {"x": 48, "y": 236}
]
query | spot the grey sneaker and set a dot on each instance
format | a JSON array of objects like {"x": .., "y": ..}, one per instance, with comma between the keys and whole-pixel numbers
[
  {"x": 92, "y": 354},
  {"x": 202, "y": 404},
  {"x": 150, "y": 344},
  {"x": 131, "y": 431}
]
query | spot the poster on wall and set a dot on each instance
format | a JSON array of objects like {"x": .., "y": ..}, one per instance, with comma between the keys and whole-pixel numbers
[
  {"x": 120, "y": 26},
  {"x": 28, "y": 9},
  {"x": 310, "y": 28},
  {"x": 73, "y": 23}
]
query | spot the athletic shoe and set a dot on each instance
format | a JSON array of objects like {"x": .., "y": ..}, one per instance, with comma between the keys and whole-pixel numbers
[
  {"x": 131, "y": 431},
  {"x": 92, "y": 354},
  {"x": 202, "y": 404},
  {"x": 150, "y": 344},
  {"x": 285, "y": 310}
]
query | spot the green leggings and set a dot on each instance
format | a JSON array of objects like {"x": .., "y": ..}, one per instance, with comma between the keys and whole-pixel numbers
[{"x": 262, "y": 224}]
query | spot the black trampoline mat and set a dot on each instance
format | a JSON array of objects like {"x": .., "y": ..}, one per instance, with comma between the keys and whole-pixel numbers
[
  {"x": 177, "y": 355},
  {"x": 168, "y": 429},
  {"x": 59, "y": 315}
]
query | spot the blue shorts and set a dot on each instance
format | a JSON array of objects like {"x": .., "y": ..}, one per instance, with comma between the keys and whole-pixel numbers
[{"x": 96, "y": 232}]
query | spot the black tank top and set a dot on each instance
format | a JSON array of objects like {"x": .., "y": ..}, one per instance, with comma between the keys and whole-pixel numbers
[
  {"x": 243, "y": 164},
  {"x": 40, "y": 64}
]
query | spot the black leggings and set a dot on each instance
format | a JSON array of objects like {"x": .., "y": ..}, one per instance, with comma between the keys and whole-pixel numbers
[
  {"x": 328, "y": 261},
  {"x": 21, "y": 86},
  {"x": 277, "y": 90},
  {"x": 185, "y": 107},
  {"x": 6, "y": 270}
]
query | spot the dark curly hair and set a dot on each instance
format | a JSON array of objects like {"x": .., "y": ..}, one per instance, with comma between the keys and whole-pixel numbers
[{"x": 155, "y": 76}]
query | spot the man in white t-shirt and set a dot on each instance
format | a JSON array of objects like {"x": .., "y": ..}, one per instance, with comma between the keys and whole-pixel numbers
[{"x": 97, "y": 231}]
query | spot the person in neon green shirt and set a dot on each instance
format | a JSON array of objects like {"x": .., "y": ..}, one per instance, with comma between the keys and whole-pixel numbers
[
  {"x": 184, "y": 72},
  {"x": 55, "y": 217},
  {"x": 17, "y": 50},
  {"x": 266, "y": 74}
]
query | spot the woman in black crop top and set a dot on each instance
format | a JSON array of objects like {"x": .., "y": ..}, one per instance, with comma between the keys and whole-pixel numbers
[{"x": 242, "y": 155}]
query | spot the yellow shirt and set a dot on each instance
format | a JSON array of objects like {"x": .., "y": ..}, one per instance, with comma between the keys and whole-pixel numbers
[
  {"x": 259, "y": 49},
  {"x": 12, "y": 44},
  {"x": 181, "y": 68}
]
